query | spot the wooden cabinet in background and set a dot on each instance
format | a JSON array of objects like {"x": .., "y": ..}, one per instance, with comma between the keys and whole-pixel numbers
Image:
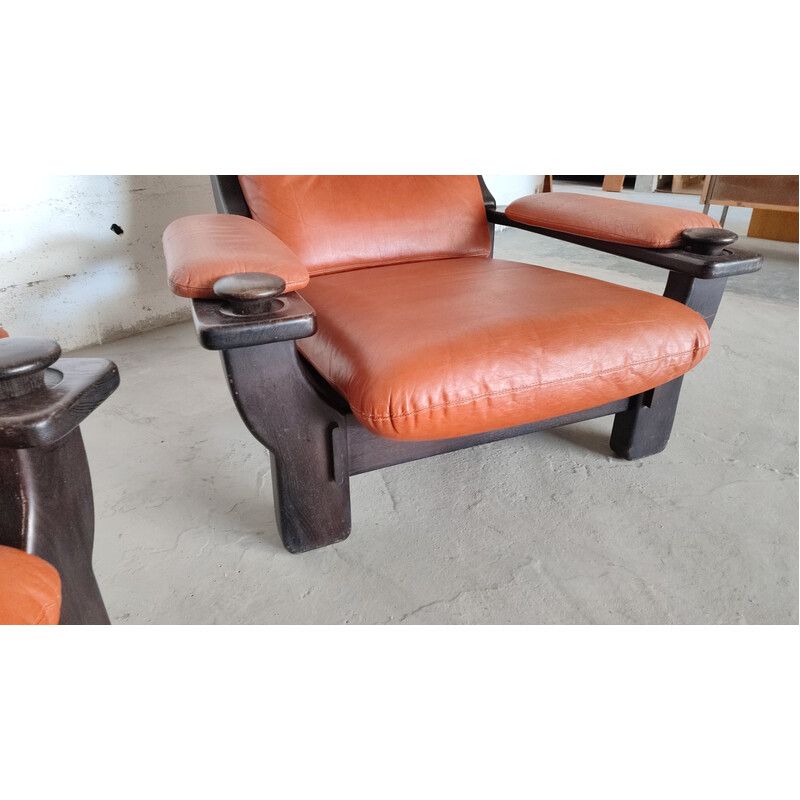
[{"x": 773, "y": 198}]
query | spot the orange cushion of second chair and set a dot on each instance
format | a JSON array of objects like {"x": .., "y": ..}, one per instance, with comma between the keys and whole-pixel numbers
[
  {"x": 30, "y": 589},
  {"x": 608, "y": 219},
  {"x": 449, "y": 348}
]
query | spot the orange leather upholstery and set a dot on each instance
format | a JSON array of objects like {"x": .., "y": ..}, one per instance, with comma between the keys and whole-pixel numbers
[
  {"x": 30, "y": 589},
  {"x": 608, "y": 219},
  {"x": 202, "y": 248},
  {"x": 341, "y": 222},
  {"x": 453, "y": 347}
]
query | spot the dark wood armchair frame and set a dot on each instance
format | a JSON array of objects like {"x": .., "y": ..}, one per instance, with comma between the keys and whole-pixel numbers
[
  {"x": 46, "y": 505},
  {"x": 316, "y": 443}
]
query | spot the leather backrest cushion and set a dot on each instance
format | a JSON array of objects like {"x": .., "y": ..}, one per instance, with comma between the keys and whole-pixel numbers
[{"x": 341, "y": 222}]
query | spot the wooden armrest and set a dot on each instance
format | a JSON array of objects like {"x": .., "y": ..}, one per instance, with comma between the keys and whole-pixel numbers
[
  {"x": 43, "y": 397},
  {"x": 249, "y": 311}
]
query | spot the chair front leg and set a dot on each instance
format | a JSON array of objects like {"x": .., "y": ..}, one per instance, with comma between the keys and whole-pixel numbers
[
  {"x": 306, "y": 438},
  {"x": 645, "y": 427}
]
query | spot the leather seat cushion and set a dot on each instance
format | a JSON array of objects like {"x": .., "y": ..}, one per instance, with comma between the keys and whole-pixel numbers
[
  {"x": 30, "y": 589},
  {"x": 460, "y": 346},
  {"x": 343, "y": 222},
  {"x": 608, "y": 219}
]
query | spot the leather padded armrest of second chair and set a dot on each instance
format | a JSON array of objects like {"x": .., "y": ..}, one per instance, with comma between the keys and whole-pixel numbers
[
  {"x": 608, "y": 219},
  {"x": 202, "y": 248}
]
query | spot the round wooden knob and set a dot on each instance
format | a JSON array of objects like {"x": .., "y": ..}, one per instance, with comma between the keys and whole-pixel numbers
[
  {"x": 708, "y": 241},
  {"x": 250, "y": 292},
  {"x": 23, "y": 360}
]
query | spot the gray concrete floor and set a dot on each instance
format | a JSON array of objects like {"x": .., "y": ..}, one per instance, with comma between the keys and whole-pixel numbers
[{"x": 547, "y": 528}]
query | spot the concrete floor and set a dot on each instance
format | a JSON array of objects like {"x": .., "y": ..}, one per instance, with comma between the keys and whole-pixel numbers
[{"x": 547, "y": 528}]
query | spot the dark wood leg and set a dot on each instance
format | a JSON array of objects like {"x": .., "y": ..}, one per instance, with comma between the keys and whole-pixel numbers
[
  {"x": 46, "y": 505},
  {"x": 46, "y": 508},
  {"x": 306, "y": 437},
  {"x": 645, "y": 427}
]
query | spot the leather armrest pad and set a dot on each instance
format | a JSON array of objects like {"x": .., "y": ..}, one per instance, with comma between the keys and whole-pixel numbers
[
  {"x": 607, "y": 219},
  {"x": 202, "y": 248}
]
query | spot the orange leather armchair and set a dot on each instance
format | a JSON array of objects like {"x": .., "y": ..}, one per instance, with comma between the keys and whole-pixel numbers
[
  {"x": 363, "y": 322},
  {"x": 46, "y": 509}
]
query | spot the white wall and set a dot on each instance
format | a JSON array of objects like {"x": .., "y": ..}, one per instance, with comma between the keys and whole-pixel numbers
[{"x": 65, "y": 274}]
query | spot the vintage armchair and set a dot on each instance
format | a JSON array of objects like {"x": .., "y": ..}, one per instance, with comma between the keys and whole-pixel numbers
[
  {"x": 362, "y": 322},
  {"x": 46, "y": 506}
]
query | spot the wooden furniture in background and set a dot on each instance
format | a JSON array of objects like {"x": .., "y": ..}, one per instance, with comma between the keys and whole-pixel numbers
[
  {"x": 687, "y": 184},
  {"x": 613, "y": 183},
  {"x": 781, "y": 226},
  {"x": 773, "y": 198}
]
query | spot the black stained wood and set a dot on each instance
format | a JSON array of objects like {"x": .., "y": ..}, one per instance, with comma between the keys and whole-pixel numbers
[
  {"x": 703, "y": 296},
  {"x": 368, "y": 451},
  {"x": 21, "y": 355},
  {"x": 46, "y": 508},
  {"x": 645, "y": 427},
  {"x": 228, "y": 195},
  {"x": 73, "y": 388},
  {"x": 490, "y": 204},
  {"x": 289, "y": 317},
  {"x": 23, "y": 361},
  {"x": 246, "y": 286},
  {"x": 281, "y": 408},
  {"x": 46, "y": 505},
  {"x": 698, "y": 265},
  {"x": 708, "y": 241}
]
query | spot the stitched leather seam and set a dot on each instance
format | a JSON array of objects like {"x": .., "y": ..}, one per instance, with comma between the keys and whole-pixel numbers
[
  {"x": 477, "y": 253},
  {"x": 527, "y": 386},
  {"x": 291, "y": 286}
]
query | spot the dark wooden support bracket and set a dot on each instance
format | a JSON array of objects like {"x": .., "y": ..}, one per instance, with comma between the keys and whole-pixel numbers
[
  {"x": 47, "y": 510},
  {"x": 282, "y": 404},
  {"x": 306, "y": 438},
  {"x": 645, "y": 427},
  {"x": 46, "y": 505}
]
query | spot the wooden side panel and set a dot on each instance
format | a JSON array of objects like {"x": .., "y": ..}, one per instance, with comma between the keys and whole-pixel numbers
[
  {"x": 613, "y": 183},
  {"x": 781, "y": 226},
  {"x": 754, "y": 191}
]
